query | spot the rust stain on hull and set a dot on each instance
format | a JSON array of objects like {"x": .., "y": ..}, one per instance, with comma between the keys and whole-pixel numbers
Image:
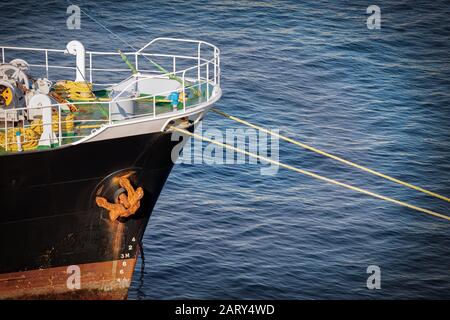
[{"x": 102, "y": 280}]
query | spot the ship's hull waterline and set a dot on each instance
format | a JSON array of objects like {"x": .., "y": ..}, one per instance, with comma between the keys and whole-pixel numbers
[{"x": 52, "y": 230}]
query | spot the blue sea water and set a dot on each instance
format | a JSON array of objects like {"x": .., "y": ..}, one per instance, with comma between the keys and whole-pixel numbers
[{"x": 313, "y": 70}]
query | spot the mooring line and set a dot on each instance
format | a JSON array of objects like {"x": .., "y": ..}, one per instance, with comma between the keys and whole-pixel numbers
[
  {"x": 326, "y": 154},
  {"x": 314, "y": 175}
]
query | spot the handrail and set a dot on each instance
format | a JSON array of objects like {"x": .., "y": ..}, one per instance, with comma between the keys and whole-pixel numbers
[
  {"x": 175, "y": 40},
  {"x": 200, "y": 62}
]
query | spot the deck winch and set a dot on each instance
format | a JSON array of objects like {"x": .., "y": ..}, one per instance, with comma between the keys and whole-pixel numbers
[
  {"x": 17, "y": 90},
  {"x": 23, "y": 108},
  {"x": 14, "y": 84}
]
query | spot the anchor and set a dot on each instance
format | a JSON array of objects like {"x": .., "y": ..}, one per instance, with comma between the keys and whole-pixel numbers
[{"x": 126, "y": 203}]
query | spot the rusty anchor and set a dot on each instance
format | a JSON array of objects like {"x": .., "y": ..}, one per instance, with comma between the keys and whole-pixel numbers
[{"x": 126, "y": 204}]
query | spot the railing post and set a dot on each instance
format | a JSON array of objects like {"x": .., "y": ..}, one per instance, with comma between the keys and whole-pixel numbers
[
  {"x": 3, "y": 55},
  {"x": 207, "y": 81},
  {"x": 136, "y": 63},
  {"x": 218, "y": 69},
  {"x": 6, "y": 132},
  {"x": 198, "y": 62},
  {"x": 174, "y": 65},
  {"x": 59, "y": 125},
  {"x": 90, "y": 67},
  {"x": 46, "y": 62},
  {"x": 154, "y": 106},
  {"x": 215, "y": 66},
  {"x": 184, "y": 91}
]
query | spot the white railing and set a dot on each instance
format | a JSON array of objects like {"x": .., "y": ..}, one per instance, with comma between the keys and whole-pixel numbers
[
  {"x": 205, "y": 66},
  {"x": 138, "y": 56}
]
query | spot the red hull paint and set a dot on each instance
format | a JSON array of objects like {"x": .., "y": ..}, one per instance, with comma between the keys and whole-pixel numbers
[{"x": 102, "y": 280}]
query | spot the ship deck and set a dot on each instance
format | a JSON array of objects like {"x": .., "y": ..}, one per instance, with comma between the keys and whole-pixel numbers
[{"x": 79, "y": 109}]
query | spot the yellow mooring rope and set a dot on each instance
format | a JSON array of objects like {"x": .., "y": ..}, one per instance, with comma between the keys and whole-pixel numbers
[
  {"x": 314, "y": 175},
  {"x": 326, "y": 154}
]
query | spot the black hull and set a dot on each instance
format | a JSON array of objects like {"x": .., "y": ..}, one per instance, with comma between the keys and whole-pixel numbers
[{"x": 48, "y": 215}]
